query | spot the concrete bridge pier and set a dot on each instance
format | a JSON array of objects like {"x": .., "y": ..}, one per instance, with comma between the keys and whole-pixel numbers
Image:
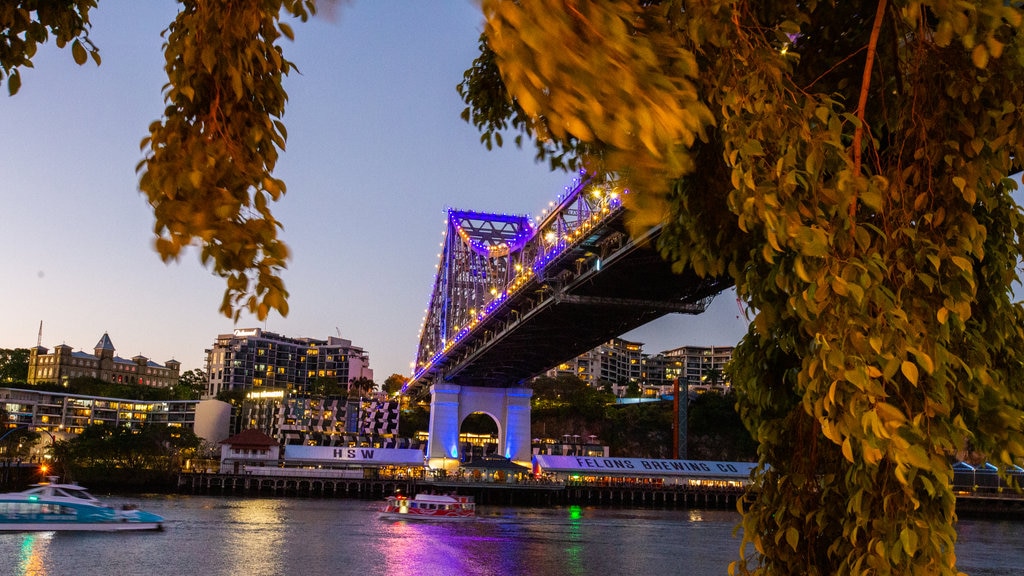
[{"x": 450, "y": 404}]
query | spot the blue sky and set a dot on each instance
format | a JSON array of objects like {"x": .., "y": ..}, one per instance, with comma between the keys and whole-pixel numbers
[{"x": 376, "y": 154}]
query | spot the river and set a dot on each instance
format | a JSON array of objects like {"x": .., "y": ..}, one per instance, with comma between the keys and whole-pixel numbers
[{"x": 214, "y": 536}]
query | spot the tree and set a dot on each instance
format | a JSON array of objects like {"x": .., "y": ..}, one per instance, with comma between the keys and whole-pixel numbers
[
  {"x": 567, "y": 405},
  {"x": 633, "y": 389},
  {"x": 208, "y": 166},
  {"x": 713, "y": 377},
  {"x": 845, "y": 165},
  {"x": 14, "y": 364},
  {"x": 235, "y": 397},
  {"x": 191, "y": 384},
  {"x": 394, "y": 383},
  {"x": 17, "y": 445},
  {"x": 361, "y": 386},
  {"x": 415, "y": 419},
  {"x": 325, "y": 386}
]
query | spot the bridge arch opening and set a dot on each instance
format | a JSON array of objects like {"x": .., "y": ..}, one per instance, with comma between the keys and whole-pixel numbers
[
  {"x": 478, "y": 436},
  {"x": 452, "y": 404}
]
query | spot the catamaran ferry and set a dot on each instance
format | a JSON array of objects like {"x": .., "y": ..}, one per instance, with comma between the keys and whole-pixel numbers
[{"x": 53, "y": 506}]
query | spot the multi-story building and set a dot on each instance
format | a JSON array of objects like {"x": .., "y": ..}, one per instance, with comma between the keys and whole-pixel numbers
[
  {"x": 701, "y": 368},
  {"x": 64, "y": 364},
  {"x": 254, "y": 359},
  {"x": 617, "y": 362},
  {"x": 621, "y": 363},
  {"x": 320, "y": 421},
  {"x": 62, "y": 415}
]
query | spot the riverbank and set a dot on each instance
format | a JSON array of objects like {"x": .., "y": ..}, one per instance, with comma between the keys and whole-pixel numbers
[
  {"x": 530, "y": 494},
  {"x": 487, "y": 493}
]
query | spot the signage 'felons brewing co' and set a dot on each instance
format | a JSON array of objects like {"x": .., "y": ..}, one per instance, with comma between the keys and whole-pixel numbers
[{"x": 667, "y": 471}]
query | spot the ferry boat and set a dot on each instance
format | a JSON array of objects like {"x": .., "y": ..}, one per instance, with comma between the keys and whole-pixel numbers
[
  {"x": 429, "y": 507},
  {"x": 68, "y": 507}
]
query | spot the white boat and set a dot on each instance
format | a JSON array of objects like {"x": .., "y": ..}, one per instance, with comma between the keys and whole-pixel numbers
[
  {"x": 429, "y": 507},
  {"x": 65, "y": 507}
]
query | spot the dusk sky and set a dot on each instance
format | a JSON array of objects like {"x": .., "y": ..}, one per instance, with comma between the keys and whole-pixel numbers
[{"x": 376, "y": 154}]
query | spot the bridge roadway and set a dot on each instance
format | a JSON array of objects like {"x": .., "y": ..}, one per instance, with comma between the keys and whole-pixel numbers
[{"x": 599, "y": 288}]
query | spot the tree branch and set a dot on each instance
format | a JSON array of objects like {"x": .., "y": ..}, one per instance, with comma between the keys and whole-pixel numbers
[{"x": 865, "y": 84}]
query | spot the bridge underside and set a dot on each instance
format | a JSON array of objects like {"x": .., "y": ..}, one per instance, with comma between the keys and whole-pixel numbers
[{"x": 591, "y": 300}]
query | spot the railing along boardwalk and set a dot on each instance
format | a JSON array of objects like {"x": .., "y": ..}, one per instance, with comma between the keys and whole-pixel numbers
[
  {"x": 1006, "y": 504},
  {"x": 523, "y": 493}
]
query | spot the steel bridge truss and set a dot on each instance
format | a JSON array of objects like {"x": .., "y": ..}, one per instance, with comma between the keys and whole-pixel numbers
[
  {"x": 512, "y": 298},
  {"x": 487, "y": 258}
]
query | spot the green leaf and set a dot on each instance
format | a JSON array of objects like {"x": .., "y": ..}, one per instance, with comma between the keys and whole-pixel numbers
[
  {"x": 792, "y": 537},
  {"x": 908, "y": 538}
]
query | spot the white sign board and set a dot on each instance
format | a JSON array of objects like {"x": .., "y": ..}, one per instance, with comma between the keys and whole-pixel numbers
[
  {"x": 354, "y": 456},
  {"x": 641, "y": 466}
]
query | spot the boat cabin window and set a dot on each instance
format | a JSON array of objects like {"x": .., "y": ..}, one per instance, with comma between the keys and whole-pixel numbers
[
  {"x": 72, "y": 493},
  {"x": 33, "y": 508}
]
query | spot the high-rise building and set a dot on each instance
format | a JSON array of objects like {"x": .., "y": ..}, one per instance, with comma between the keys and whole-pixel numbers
[
  {"x": 64, "y": 363},
  {"x": 254, "y": 359},
  {"x": 620, "y": 363}
]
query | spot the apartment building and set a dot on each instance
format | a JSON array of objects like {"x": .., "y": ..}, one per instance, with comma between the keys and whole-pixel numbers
[
  {"x": 63, "y": 415},
  {"x": 254, "y": 359},
  {"x": 320, "y": 421},
  {"x": 620, "y": 363},
  {"x": 617, "y": 362}
]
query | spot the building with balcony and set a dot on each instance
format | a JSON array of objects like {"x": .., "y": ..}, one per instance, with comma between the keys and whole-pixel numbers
[
  {"x": 254, "y": 359},
  {"x": 64, "y": 364},
  {"x": 620, "y": 363},
  {"x": 617, "y": 363},
  {"x": 62, "y": 415},
  {"x": 320, "y": 420},
  {"x": 701, "y": 368}
]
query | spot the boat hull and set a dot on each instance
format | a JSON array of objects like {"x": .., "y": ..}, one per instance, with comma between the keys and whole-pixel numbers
[
  {"x": 79, "y": 526},
  {"x": 429, "y": 507},
  {"x": 54, "y": 507},
  {"x": 412, "y": 516}
]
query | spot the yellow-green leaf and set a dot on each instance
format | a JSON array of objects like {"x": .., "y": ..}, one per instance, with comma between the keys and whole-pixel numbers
[
  {"x": 792, "y": 537},
  {"x": 909, "y": 370}
]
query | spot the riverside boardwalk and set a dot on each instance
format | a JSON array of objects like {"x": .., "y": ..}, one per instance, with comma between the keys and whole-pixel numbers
[
  {"x": 1005, "y": 504},
  {"x": 515, "y": 493}
]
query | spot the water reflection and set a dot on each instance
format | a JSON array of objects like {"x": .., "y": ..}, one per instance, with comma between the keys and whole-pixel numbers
[
  {"x": 33, "y": 551},
  {"x": 441, "y": 549},
  {"x": 254, "y": 540},
  {"x": 574, "y": 550},
  {"x": 217, "y": 536}
]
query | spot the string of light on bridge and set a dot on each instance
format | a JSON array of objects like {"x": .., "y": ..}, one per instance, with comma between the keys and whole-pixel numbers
[{"x": 554, "y": 244}]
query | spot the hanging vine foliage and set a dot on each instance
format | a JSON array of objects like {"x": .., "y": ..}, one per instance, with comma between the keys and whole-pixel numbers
[
  {"x": 25, "y": 24},
  {"x": 845, "y": 164},
  {"x": 208, "y": 167}
]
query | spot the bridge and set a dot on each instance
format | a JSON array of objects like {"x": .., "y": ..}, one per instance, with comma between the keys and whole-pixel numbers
[{"x": 515, "y": 296}]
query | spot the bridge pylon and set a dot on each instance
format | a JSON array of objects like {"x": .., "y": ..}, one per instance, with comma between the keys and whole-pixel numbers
[{"x": 450, "y": 404}]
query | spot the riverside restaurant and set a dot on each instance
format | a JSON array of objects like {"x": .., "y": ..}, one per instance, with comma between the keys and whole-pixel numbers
[
  {"x": 344, "y": 462},
  {"x": 641, "y": 471}
]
